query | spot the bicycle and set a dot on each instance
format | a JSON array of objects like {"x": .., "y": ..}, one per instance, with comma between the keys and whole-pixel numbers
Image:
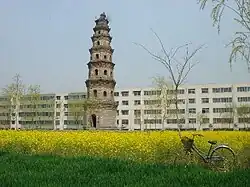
[{"x": 212, "y": 157}]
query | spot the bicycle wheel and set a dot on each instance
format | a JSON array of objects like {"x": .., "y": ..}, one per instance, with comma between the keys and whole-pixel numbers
[{"x": 223, "y": 159}]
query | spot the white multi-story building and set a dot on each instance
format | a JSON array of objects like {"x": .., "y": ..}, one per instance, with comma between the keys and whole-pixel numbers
[{"x": 210, "y": 106}]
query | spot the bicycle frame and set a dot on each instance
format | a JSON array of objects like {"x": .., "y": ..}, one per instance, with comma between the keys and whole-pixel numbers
[
  {"x": 201, "y": 154},
  {"x": 206, "y": 157}
]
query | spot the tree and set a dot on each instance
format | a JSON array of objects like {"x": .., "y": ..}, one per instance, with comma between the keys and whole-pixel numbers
[
  {"x": 201, "y": 119},
  {"x": 241, "y": 8},
  {"x": 78, "y": 111},
  {"x": 34, "y": 97},
  {"x": 231, "y": 113},
  {"x": 178, "y": 69},
  {"x": 14, "y": 92},
  {"x": 243, "y": 112},
  {"x": 162, "y": 90}
]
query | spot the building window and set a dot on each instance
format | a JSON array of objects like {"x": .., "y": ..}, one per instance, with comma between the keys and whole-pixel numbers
[
  {"x": 152, "y": 92},
  {"x": 205, "y": 120},
  {"x": 137, "y": 121},
  {"x": 204, "y": 90},
  {"x": 152, "y": 102},
  {"x": 222, "y": 110},
  {"x": 222, "y": 120},
  {"x": 204, "y": 100},
  {"x": 137, "y": 93},
  {"x": 137, "y": 112},
  {"x": 243, "y": 120},
  {"x": 58, "y": 105},
  {"x": 66, "y": 106},
  {"x": 152, "y": 112},
  {"x": 205, "y": 110},
  {"x": 124, "y": 121},
  {"x": 96, "y": 71},
  {"x": 99, "y": 32},
  {"x": 57, "y": 113},
  {"x": 152, "y": 121},
  {"x": 83, "y": 96},
  {"x": 124, "y": 102},
  {"x": 116, "y": 94},
  {"x": 137, "y": 102},
  {"x": 58, "y": 97},
  {"x": 105, "y": 72},
  {"x": 192, "y": 110},
  {"x": 95, "y": 93},
  {"x": 192, "y": 120},
  {"x": 243, "y": 89},
  {"x": 222, "y": 100},
  {"x": 111, "y": 73},
  {"x": 222, "y": 90},
  {"x": 105, "y": 94},
  {"x": 124, "y": 112},
  {"x": 174, "y": 121},
  {"x": 111, "y": 93},
  {"x": 117, "y": 112},
  {"x": 173, "y": 111},
  {"x": 191, "y": 91},
  {"x": 124, "y": 93},
  {"x": 243, "y": 99},
  {"x": 105, "y": 57},
  {"x": 66, "y": 97},
  {"x": 117, "y": 103},
  {"x": 191, "y": 101},
  {"x": 97, "y": 56},
  {"x": 117, "y": 122},
  {"x": 66, "y": 114},
  {"x": 98, "y": 42}
]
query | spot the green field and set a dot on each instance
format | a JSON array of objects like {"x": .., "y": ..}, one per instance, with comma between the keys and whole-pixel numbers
[{"x": 22, "y": 170}]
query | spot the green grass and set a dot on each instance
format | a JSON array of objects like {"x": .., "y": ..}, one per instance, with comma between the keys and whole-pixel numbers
[{"x": 23, "y": 170}]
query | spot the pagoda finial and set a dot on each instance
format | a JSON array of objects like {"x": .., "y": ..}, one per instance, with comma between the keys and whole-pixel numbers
[{"x": 102, "y": 16}]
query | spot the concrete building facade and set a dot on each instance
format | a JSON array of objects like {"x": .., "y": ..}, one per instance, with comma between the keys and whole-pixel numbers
[{"x": 210, "y": 106}]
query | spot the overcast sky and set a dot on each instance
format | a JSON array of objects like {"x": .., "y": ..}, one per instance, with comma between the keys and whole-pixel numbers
[{"x": 47, "y": 41}]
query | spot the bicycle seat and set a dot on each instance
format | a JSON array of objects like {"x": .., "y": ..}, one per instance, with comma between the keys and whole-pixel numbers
[{"x": 213, "y": 142}]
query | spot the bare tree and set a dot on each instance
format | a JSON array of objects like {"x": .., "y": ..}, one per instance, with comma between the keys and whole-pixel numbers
[
  {"x": 201, "y": 118},
  {"x": 14, "y": 93},
  {"x": 178, "y": 69},
  {"x": 231, "y": 113},
  {"x": 244, "y": 113},
  {"x": 78, "y": 111},
  {"x": 34, "y": 98},
  {"x": 241, "y": 8},
  {"x": 162, "y": 89}
]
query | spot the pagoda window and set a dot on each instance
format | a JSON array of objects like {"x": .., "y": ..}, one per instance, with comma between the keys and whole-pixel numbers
[{"x": 95, "y": 93}]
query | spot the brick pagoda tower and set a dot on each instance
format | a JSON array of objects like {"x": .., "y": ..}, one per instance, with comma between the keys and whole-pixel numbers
[{"x": 100, "y": 83}]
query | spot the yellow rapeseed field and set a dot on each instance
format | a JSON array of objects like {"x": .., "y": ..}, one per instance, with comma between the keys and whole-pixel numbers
[{"x": 154, "y": 146}]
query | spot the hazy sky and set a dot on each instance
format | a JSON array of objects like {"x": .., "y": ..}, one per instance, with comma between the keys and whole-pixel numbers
[{"x": 47, "y": 41}]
